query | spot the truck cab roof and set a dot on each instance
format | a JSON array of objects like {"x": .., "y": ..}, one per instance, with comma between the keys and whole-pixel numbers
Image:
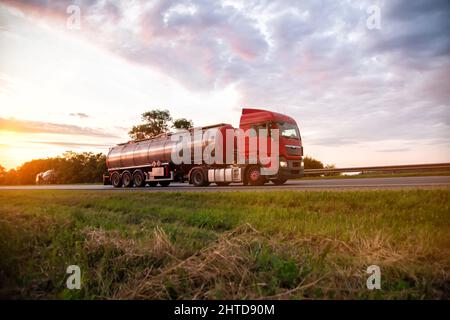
[{"x": 254, "y": 116}]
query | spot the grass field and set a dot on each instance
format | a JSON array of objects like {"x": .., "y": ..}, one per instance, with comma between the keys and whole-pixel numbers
[{"x": 281, "y": 245}]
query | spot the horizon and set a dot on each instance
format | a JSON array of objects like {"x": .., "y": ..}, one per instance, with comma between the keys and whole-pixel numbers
[{"x": 360, "y": 95}]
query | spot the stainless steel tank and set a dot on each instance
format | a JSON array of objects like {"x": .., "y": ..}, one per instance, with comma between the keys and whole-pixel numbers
[
  {"x": 145, "y": 152},
  {"x": 140, "y": 153}
]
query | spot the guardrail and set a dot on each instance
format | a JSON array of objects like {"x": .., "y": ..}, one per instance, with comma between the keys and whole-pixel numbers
[{"x": 408, "y": 167}]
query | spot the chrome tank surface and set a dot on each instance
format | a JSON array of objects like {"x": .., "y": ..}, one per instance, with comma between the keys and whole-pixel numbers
[{"x": 144, "y": 152}]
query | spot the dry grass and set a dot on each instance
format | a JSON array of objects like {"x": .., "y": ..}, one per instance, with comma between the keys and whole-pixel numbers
[
  {"x": 229, "y": 268},
  {"x": 225, "y": 265}
]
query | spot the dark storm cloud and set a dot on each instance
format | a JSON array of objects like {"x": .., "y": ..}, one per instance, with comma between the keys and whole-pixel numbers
[{"x": 416, "y": 28}]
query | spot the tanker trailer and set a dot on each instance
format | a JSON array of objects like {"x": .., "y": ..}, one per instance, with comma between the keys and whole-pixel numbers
[{"x": 148, "y": 161}]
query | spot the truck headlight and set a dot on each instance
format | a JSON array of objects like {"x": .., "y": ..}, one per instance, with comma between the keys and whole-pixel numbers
[{"x": 283, "y": 164}]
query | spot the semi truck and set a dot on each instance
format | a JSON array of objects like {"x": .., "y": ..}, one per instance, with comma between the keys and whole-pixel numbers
[{"x": 148, "y": 162}]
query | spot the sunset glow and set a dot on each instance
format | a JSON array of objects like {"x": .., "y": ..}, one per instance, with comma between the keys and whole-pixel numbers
[{"x": 82, "y": 90}]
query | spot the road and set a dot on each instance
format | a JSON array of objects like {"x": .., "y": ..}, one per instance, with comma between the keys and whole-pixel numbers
[{"x": 431, "y": 182}]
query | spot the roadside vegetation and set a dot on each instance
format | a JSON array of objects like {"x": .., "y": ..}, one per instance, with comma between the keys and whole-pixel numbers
[
  {"x": 281, "y": 245},
  {"x": 70, "y": 167}
]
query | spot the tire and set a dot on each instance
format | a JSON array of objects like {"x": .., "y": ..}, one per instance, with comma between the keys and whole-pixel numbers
[
  {"x": 278, "y": 181},
  {"x": 127, "y": 179},
  {"x": 116, "y": 180},
  {"x": 198, "y": 178},
  {"x": 164, "y": 183},
  {"x": 222, "y": 184},
  {"x": 139, "y": 179},
  {"x": 254, "y": 177}
]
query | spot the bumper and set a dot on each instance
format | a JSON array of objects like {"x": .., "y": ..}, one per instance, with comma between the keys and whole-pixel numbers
[
  {"x": 293, "y": 170},
  {"x": 291, "y": 173}
]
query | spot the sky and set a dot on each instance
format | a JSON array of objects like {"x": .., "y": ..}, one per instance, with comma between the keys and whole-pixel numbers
[{"x": 368, "y": 82}]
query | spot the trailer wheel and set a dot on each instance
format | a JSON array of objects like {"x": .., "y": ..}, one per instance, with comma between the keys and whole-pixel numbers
[
  {"x": 278, "y": 181},
  {"x": 164, "y": 183},
  {"x": 116, "y": 180},
  {"x": 139, "y": 178},
  {"x": 254, "y": 176},
  {"x": 127, "y": 179},
  {"x": 199, "y": 178}
]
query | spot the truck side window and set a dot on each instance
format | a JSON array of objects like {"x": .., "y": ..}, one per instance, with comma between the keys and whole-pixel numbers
[{"x": 258, "y": 127}]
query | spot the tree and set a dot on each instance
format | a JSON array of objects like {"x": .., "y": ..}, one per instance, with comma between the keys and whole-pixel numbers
[
  {"x": 156, "y": 122},
  {"x": 2, "y": 173},
  {"x": 311, "y": 163},
  {"x": 71, "y": 167},
  {"x": 183, "y": 123}
]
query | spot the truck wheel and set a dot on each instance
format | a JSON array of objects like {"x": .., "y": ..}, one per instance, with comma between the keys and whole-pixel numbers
[
  {"x": 127, "y": 179},
  {"x": 278, "y": 181},
  {"x": 164, "y": 183},
  {"x": 198, "y": 178},
  {"x": 254, "y": 176},
  {"x": 222, "y": 184},
  {"x": 116, "y": 180},
  {"x": 139, "y": 178}
]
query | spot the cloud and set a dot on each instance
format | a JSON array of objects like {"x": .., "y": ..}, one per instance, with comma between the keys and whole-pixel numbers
[
  {"x": 394, "y": 150},
  {"x": 315, "y": 60},
  {"x": 71, "y": 144},
  {"x": 25, "y": 126},
  {"x": 79, "y": 115}
]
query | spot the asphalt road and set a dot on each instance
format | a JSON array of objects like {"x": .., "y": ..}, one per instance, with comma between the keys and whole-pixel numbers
[{"x": 431, "y": 182}]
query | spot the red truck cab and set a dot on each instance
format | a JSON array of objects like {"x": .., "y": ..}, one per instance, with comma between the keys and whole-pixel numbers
[{"x": 290, "y": 142}]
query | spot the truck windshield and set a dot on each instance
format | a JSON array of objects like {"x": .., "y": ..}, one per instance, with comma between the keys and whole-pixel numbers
[{"x": 288, "y": 130}]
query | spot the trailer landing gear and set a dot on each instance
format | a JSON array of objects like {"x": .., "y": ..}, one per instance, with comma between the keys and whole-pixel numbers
[{"x": 164, "y": 183}]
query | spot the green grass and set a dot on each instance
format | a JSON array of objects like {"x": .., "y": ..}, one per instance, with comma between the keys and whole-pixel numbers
[{"x": 281, "y": 244}]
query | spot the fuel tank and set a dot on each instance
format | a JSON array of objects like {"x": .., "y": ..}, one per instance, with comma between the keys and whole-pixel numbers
[{"x": 142, "y": 153}]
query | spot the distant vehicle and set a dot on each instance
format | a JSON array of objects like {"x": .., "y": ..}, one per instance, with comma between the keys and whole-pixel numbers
[
  {"x": 149, "y": 161},
  {"x": 47, "y": 177}
]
